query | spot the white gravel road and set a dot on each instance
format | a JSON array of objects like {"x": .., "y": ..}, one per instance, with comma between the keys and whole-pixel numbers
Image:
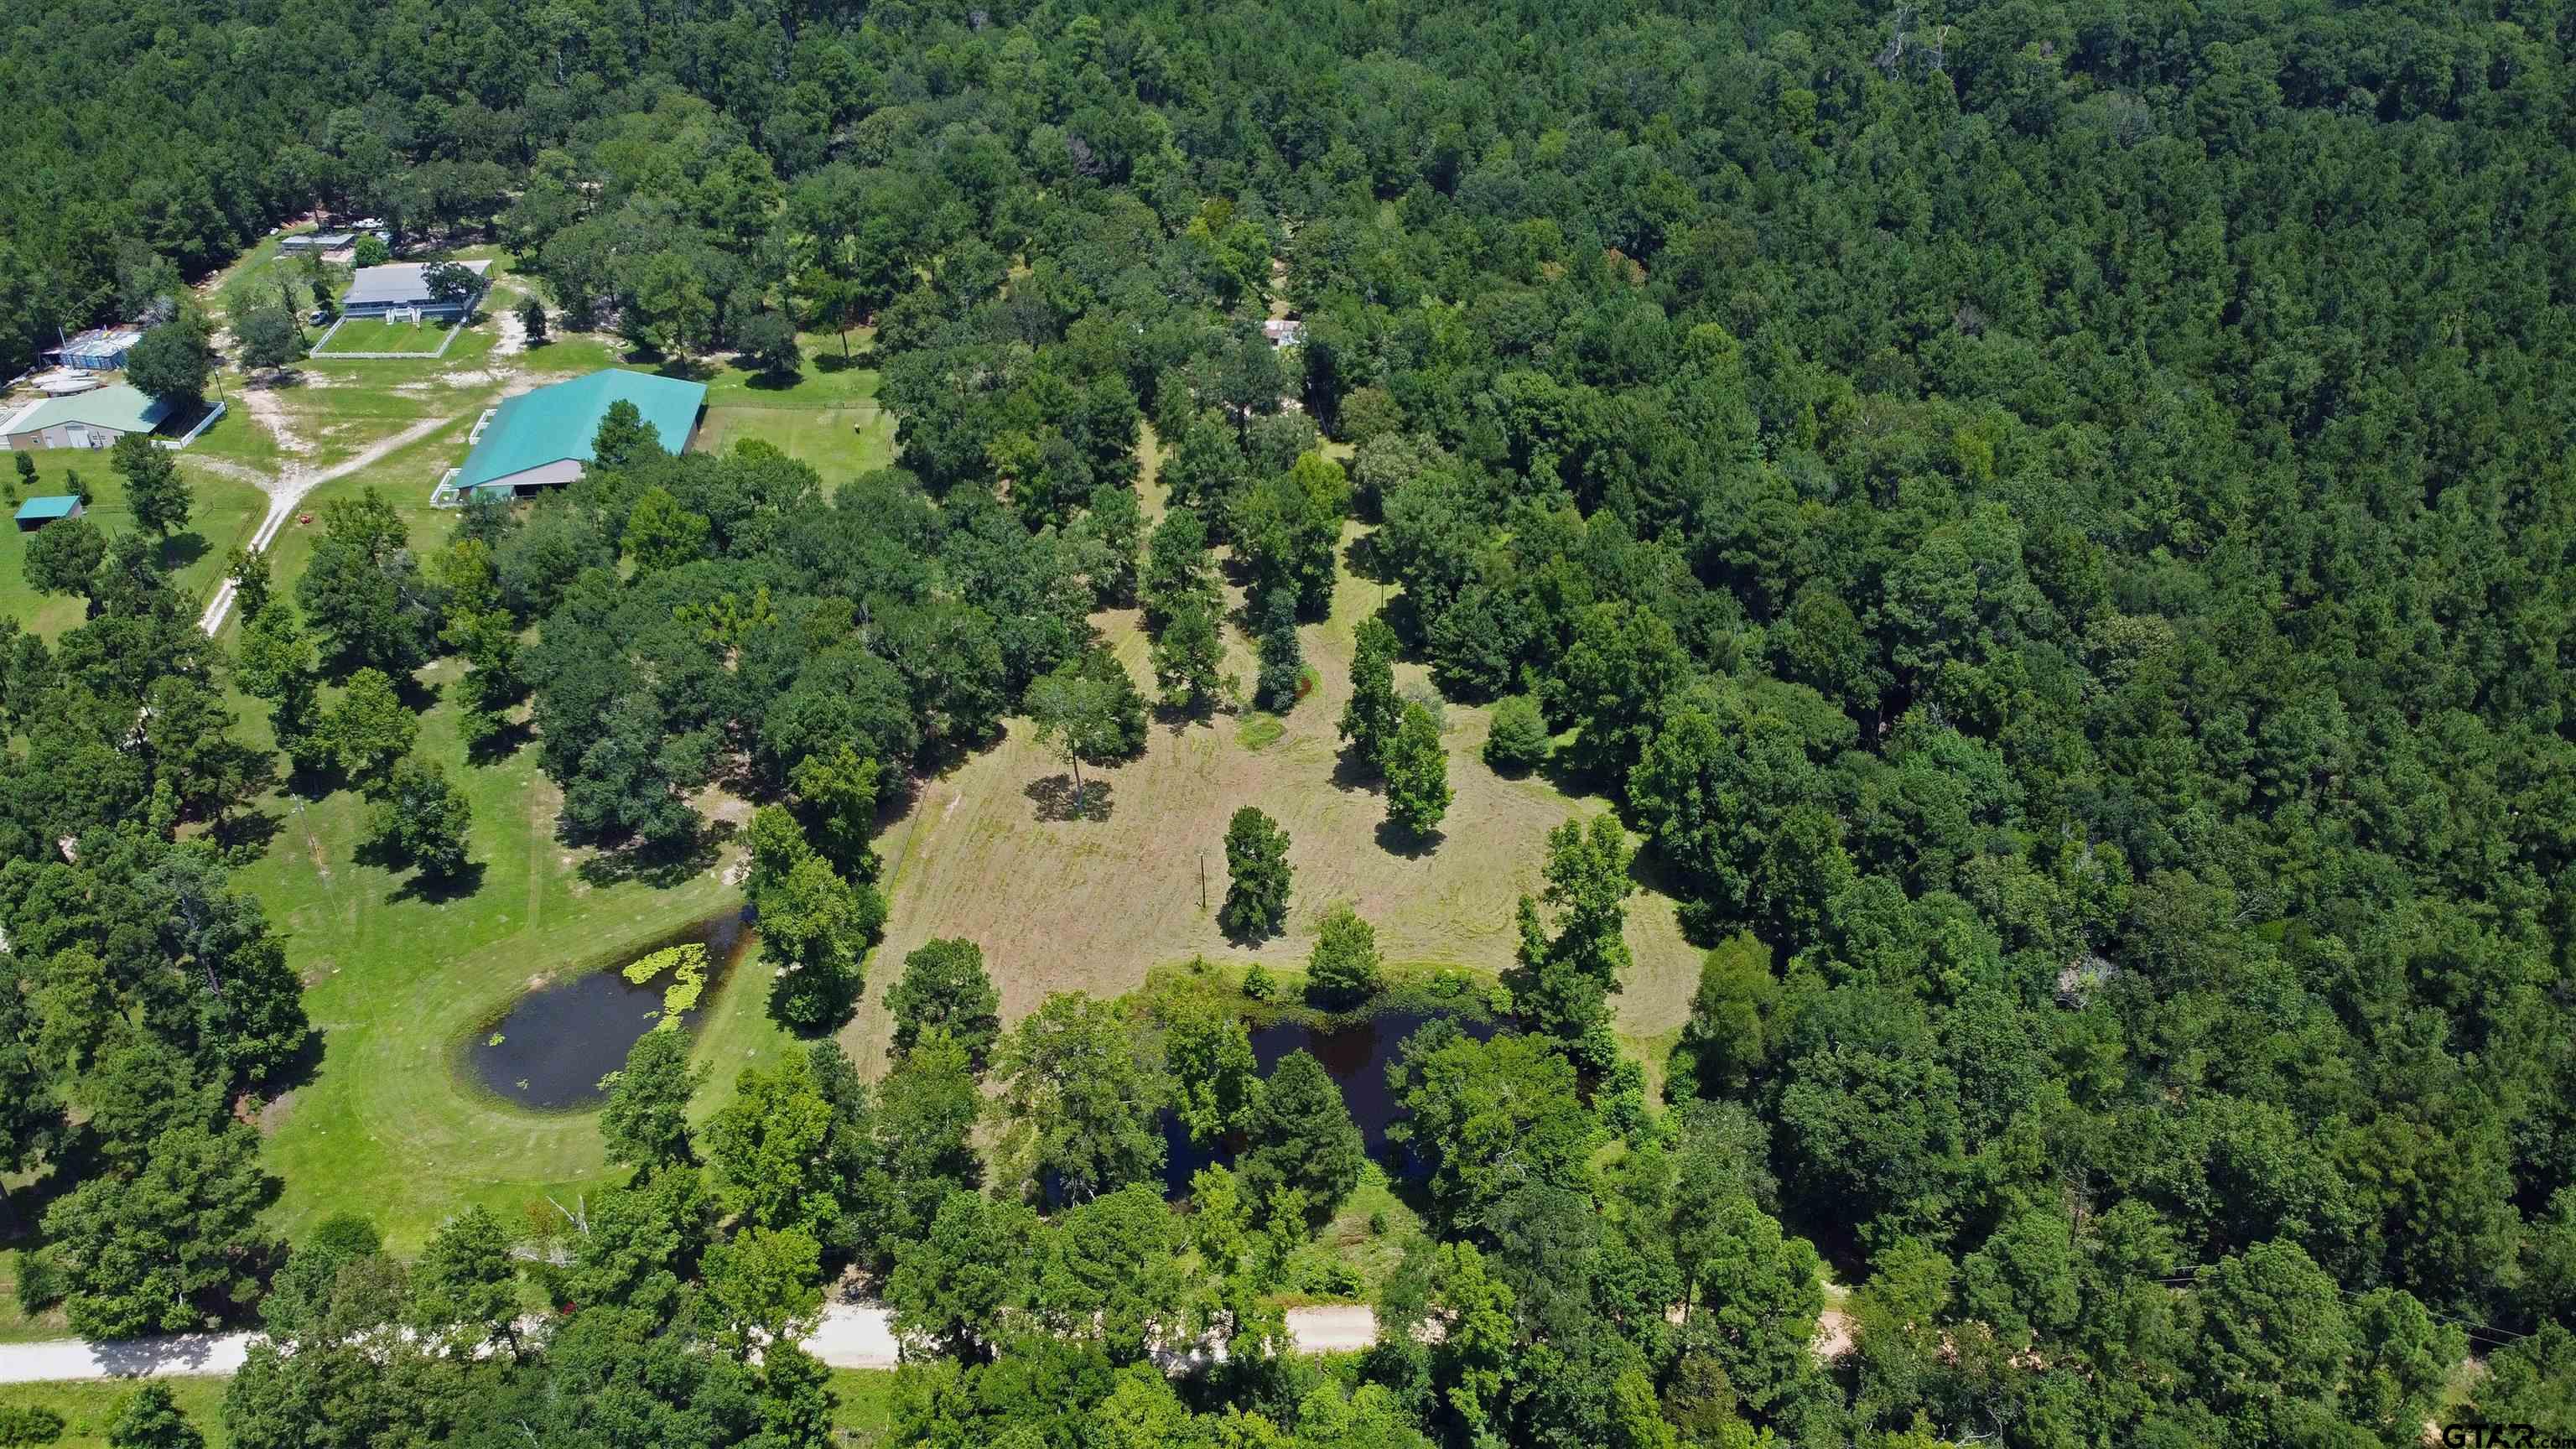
[{"x": 851, "y": 1336}]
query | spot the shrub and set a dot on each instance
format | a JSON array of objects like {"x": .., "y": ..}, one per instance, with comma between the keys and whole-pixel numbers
[{"x": 1519, "y": 740}]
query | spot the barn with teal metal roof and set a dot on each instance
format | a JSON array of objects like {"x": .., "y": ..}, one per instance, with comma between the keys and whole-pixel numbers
[{"x": 542, "y": 438}]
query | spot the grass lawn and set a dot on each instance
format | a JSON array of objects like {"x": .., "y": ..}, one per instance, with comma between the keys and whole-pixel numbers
[
  {"x": 826, "y": 415},
  {"x": 89, "y": 1408},
  {"x": 866, "y": 1414},
  {"x": 224, "y": 513},
  {"x": 839, "y": 443},
  {"x": 386, "y": 1126},
  {"x": 387, "y": 334}
]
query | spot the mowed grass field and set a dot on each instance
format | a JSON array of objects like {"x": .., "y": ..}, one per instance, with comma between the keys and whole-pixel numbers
[
  {"x": 1093, "y": 904},
  {"x": 223, "y": 514},
  {"x": 387, "y": 1125},
  {"x": 827, "y": 415}
]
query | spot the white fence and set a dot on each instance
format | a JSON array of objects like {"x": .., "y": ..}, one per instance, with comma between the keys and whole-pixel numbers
[{"x": 190, "y": 436}]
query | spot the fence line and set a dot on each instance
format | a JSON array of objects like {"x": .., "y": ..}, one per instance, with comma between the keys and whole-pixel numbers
[{"x": 190, "y": 436}]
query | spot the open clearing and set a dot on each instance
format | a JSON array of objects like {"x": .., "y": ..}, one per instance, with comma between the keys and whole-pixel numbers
[
  {"x": 1093, "y": 904},
  {"x": 826, "y": 416}
]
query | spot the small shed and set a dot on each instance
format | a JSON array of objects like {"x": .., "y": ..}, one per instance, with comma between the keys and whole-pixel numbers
[
  {"x": 93, "y": 419},
  {"x": 404, "y": 287},
  {"x": 1284, "y": 331},
  {"x": 35, "y": 513},
  {"x": 317, "y": 242}
]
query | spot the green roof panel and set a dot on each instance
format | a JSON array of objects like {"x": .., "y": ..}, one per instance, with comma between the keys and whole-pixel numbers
[
  {"x": 558, "y": 422},
  {"x": 123, "y": 408},
  {"x": 59, "y": 505}
]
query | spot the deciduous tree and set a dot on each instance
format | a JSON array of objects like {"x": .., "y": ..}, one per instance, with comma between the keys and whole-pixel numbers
[
  {"x": 944, "y": 986},
  {"x": 153, "y": 488}
]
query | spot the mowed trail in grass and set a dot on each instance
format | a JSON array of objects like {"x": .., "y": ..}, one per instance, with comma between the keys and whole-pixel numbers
[{"x": 1094, "y": 904}]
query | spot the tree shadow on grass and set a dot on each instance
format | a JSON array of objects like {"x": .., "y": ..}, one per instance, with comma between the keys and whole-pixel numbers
[
  {"x": 1353, "y": 770},
  {"x": 1366, "y": 558},
  {"x": 1058, "y": 800},
  {"x": 439, "y": 890},
  {"x": 501, "y": 744},
  {"x": 182, "y": 549},
  {"x": 1178, "y": 718},
  {"x": 1399, "y": 840},
  {"x": 247, "y": 834},
  {"x": 659, "y": 866},
  {"x": 772, "y": 380},
  {"x": 311, "y": 784}
]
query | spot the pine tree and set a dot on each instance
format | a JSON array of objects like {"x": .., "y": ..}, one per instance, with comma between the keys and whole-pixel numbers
[
  {"x": 1256, "y": 864},
  {"x": 1189, "y": 658},
  {"x": 1302, "y": 1139},
  {"x": 1369, "y": 721},
  {"x": 646, "y": 1122},
  {"x": 1417, "y": 773},
  {"x": 1283, "y": 662},
  {"x": 151, "y": 1420},
  {"x": 153, "y": 488}
]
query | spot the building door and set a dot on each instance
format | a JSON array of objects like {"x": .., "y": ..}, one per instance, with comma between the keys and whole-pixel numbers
[{"x": 79, "y": 437}]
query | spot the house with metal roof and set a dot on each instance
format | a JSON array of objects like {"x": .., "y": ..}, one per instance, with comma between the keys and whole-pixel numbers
[
  {"x": 93, "y": 419},
  {"x": 35, "y": 513},
  {"x": 542, "y": 439},
  {"x": 404, "y": 287}
]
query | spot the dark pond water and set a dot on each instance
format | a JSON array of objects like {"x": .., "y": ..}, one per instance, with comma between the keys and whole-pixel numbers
[
  {"x": 556, "y": 1042},
  {"x": 1353, "y": 1054}
]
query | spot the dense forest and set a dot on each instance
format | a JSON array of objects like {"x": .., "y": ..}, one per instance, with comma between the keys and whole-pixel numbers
[{"x": 2053, "y": 525}]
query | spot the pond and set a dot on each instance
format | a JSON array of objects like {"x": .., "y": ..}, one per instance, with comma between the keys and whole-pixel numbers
[
  {"x": 1354, "y": 1054},
  {"x": 552, "y": 1046}
]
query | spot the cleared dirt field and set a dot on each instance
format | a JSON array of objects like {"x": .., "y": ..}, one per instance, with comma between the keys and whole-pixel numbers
[{"x": 1094, "y": 903}]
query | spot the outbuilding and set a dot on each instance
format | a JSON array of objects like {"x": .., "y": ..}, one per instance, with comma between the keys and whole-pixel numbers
[
  {"x": 101, "y": 349},
  {"x": 317, "y": 242},
  {"x": 403, "y": 287},
  {"x": 542, "y": 439},
  {"x": 93, "y": 419},
  {"x": 35, "y": 513}
]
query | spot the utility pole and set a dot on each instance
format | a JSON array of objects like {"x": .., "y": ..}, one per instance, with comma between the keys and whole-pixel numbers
[{"x": 1202, "y": 880}]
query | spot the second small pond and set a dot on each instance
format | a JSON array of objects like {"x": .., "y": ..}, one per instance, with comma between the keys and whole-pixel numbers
[
  {"x": 552, "y": 1046},
  {"x": 1354, "y": 1054}
]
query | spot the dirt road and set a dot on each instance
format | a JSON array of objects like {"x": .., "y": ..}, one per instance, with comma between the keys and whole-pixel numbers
[{"x": 851, "y": 1335}]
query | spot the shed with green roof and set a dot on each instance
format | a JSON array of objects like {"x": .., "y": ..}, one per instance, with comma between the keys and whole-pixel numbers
[
  {"x": 541, "y": 439},
  {"x": 35, "y": 513}
]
